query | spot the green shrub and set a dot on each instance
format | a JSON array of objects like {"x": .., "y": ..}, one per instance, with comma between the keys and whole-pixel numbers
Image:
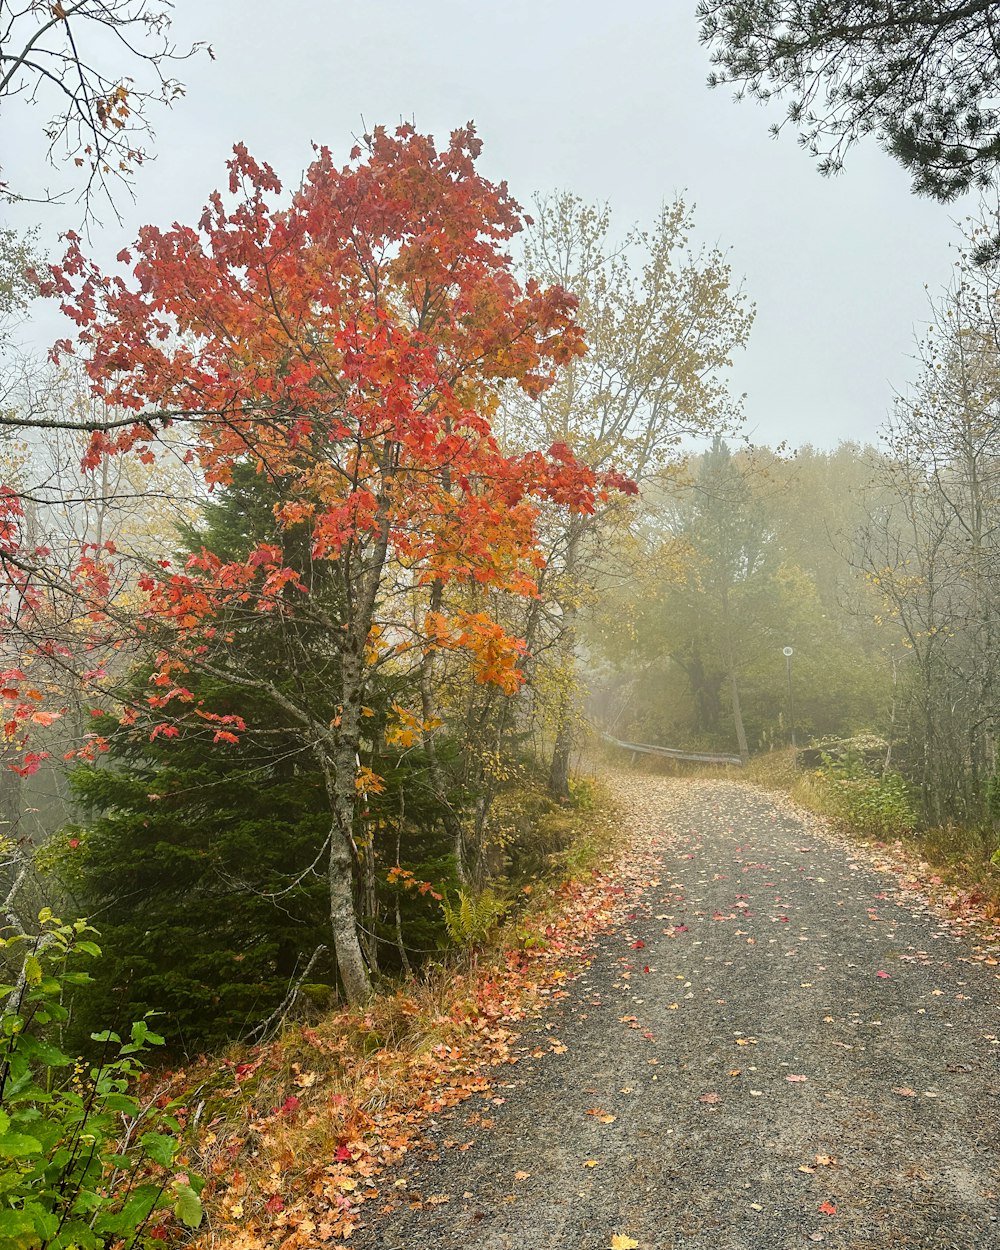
[
  {"x": 881, "y": 805},
  {"x": 83, "y": 1165},
  {"x": 582, "y": 793}
]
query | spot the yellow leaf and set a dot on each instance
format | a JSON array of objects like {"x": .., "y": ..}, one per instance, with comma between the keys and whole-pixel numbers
[{"x": 620, "y": 1242}]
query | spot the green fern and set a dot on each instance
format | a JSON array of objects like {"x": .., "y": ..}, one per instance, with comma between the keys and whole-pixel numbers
[{"x": 472, "y": 917}]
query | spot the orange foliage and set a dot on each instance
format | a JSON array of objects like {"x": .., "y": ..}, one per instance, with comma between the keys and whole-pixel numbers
[{"x": 352, "y": 344}]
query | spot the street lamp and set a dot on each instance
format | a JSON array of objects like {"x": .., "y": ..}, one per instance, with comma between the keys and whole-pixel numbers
[{"x": 787, "y": 652}]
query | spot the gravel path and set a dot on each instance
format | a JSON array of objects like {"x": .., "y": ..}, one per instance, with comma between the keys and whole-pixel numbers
[{"x": 776, "y": 1048}]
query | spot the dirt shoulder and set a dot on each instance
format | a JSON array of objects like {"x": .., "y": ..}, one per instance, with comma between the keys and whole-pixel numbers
[{"x": 777, "y": 1047}]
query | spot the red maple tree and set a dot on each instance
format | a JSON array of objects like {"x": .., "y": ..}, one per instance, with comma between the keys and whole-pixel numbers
[{"x": 353, "y": 345}]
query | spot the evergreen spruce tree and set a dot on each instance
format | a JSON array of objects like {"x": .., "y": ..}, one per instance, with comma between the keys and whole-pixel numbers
[{"x": 202, "y": 863}]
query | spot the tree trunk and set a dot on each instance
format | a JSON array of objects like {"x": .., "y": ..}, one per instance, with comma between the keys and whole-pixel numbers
[
  {"x": 559, "y": 768},
  {"x": 741, "y": 736},
  {"x": 452, "y": 823},
  {"x": 339, "y": 776},
  {"x": 343, "y": 923},
  {"x": 340, "y": 761},
  {"x": 729, "y": 658},
  {"x": 566, "y": 705}
]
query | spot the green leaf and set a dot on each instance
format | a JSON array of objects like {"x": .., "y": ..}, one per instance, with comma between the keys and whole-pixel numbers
[
  {"x": 78, "y": 978},
  {"x": 160, "y": 1147},
  {"x": 32, "y": 970},
  {"x": 187, "y": 1208},
  {"x": 134, "y": 1212},
  {"x": 19, "y": 1146},
  {"x": 17, "y": 1230},
  {"x": 77, "y": 1235},
  {"x": 46, "y": 1222},
  {"x": 87, "y": 1200},
  {"x": 89, "y": 948},
  {"x": 120, "y": 1102},
  {"x": 118, "y": 1161},
  {"x": 44, "y": 1052}
]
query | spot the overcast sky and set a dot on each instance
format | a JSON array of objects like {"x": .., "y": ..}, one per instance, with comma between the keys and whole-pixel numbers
[{"x": 609, "y": 101}]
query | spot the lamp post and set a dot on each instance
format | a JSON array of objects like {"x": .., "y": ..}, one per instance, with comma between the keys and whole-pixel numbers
[{"x": 787, "y": 652}]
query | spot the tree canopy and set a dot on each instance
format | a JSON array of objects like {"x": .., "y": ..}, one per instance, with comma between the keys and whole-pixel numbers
[
  {"x": 95, "y": 67},
  {"x": 921, "y": 77}
]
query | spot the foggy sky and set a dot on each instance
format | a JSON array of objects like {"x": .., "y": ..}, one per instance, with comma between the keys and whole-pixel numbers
[{"x": 607, "y": 100}]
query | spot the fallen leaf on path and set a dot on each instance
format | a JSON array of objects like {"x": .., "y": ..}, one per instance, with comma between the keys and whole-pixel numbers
[
  {"x": 904, "y": 1091},
  {"x": 826, "y": 1161},
  {"x": 827, "y": 1208},
  {"x": 709, "y": 1098},
  {"x": 620, "y": 1242},
  {"x": 521, "y": 1176},
  {"x": 884, "y": 975},
  {"x": 807, "y": 1169},
  {"x": 796, "y": 1080},
  {"x": 591, "y": 1163}
]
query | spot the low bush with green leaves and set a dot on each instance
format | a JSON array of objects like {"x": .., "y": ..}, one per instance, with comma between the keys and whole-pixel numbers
[
  {"x": 881, "y": 804},
  {"x": 84, "y": 1164}
]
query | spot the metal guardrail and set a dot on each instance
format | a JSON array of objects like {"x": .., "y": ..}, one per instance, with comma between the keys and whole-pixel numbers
[{"x": 670, "y": 753}]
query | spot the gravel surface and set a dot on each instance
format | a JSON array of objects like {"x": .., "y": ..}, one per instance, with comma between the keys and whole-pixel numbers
[{"x": 775, "y": 1048}]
